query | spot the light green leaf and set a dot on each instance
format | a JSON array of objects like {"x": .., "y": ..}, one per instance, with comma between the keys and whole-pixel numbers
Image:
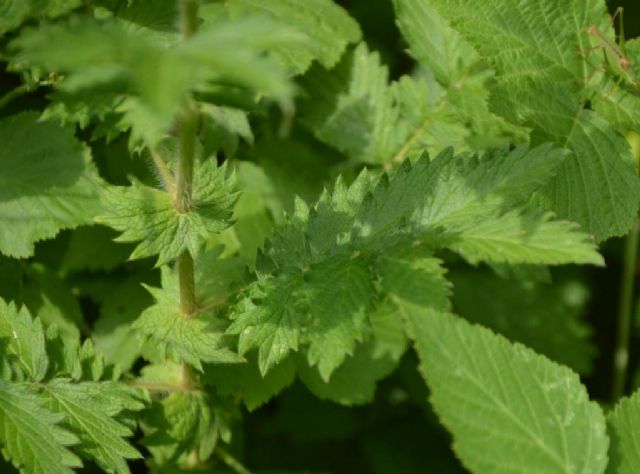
[
  {"x": 47, "y": 183},
  {"x": 354, "y": 109},
  {"x": 148, "y": 214},
  {"x": 15, "y": 12},
  {"x": 115, "y": 57},
  {"x": 519, "y": 238},
  {"x": 508, "y": 408},
  {"x": 623, "y": 422},
  {"x": 89, "y": 409},
  {"x": 22, "y": 341},
  {"x": 549, "y": 46},
  {"x": 29, "y": 433},
  {"x": 194, "y": 339},
  {"x": 597, "y": 185},
  {"x": 327, "y": 27},
  {"x": 433, "y": 43}
]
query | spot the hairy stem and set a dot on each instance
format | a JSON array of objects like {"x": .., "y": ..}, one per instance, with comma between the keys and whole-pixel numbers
[
  {"x": 188, "y": 125},
  {"x": 188, "y": 17},
  {"x": 230, "y": 461},
  {"x": 164, "y": 172},
  {"x": 187, "y": 284},
  {"x": 625, "y": 307}
]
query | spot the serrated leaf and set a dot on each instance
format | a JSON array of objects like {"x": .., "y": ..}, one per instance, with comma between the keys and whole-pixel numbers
[
  {"x": 412, "y": 278},
  {"x": 272, "y": 326},
  {"x": 508, "y": 408},
  {"x": 433, "y": 43},
  {"x": 149, "y": 215},
  {"x": 354, "y": 109},
  {"x": 340, "y": 295},
  {"x": 30, "y": 434},
  {"x": 193, "y": 339},
  {"x": 327, "y": 27},
  {"x": 114, "y": 57},
  {"x": 623, "y": 422},
  {"x": 184, "y": 421},
  {"x": 22, "y": 341},
  {"x": 601, "y": 162},
  {"x": 15, "y": 12},
  {"x": 547, "y": 318},
  {"x": 465, "y": 203},
  {"x": 89, "y": 409},
  {"x": 554, "y": 100},
  {"x": 48, "y": 183}
]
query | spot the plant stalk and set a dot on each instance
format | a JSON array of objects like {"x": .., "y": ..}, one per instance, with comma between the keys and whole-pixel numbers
[
  {"x": 230, "y": 461},
  {"x": 188, "y": 126},
  {"x": 625, "y": 309},
  {"x": 188, "y": 17}
]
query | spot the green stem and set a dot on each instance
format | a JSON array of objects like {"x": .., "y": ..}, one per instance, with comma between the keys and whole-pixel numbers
[
  {"x": 188, "y": 17},
  {"x": 188, "y": 125},
  {"x": 230, "y": 461},
  {"x": 187, "y": 285},
  {"x": 625, "y": 307}
]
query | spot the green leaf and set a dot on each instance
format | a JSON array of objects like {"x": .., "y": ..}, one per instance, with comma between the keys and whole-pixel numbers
[
  {"x": 194, "y": 339},
  {"x": 554, "y": 100},
  {"x": 184, "y": 421},
  {"x": 354, "y": 109},
  {"x": 112, "y": 57},
  {"x": 89, "y": 409},
  {"x": 623, "y": 422},
  {"x": 597, "y": 186},
  {"x": 314, "y": 278},
  {"x": 48, "y": 183},
  {"x": 508, "y": 408},
  {"x": 340, "y": 295},
  {"x": 433, "y": 43},
  {"x": 516, "y": 238},
  {"x": 29, "y": 433},
  {"x": 22, "y": 341},
  {"x": 327, "y": 27},
  {"x": 148, "y": 214},
  {"x": 15, "y": 12},
  {"x": 547, "y": 318},
  {"x": 273, "y": 326}
]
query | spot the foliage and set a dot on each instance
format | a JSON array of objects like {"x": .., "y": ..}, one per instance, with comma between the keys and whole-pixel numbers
[{"x": 257, "y": 236}]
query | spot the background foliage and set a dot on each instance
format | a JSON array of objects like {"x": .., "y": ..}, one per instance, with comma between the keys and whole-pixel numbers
[{"x": 369, "y": 177}]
